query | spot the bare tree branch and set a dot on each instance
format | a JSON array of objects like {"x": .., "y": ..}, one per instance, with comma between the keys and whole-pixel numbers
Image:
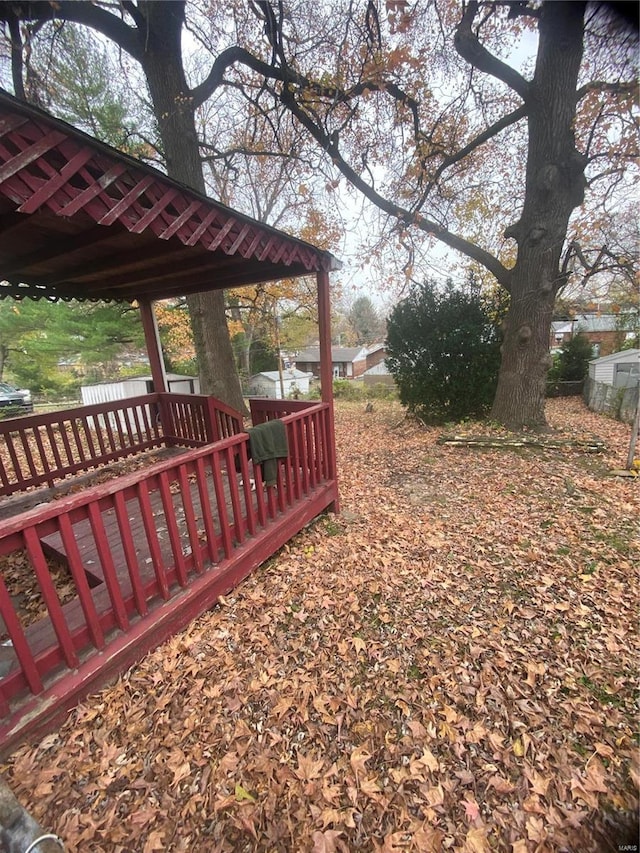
[
  {"x": 82, "y": 13},
  {"x": 622, "y": 88},
  {"x": 329, "y": 143},
  {"x": 468, "y": 46}
]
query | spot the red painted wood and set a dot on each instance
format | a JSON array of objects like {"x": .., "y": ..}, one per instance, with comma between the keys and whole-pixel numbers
[
  {"x": 146, "y": 513},
  {"x": 221, "y": 505},
  {"x": 34, "y": 717},
  {"x": 76, "y": 568},
  {"x": 34, "y": 550},
  {"x": 172, "y": 528},
  {"x": 259, "y": 493},
  {"x": 156, "y": 211},
  {"x": 296, "y": 456},
  {"x": 222, "y": 233},
  {"x": 129, "y": 550},
  {"x": 30, "y": 154},
  {"x": 190, "y": 518},
  {"x": 280, "y": 487},
  {"x": 9, "y": 123},
  {"x": 326, "y": 375},
  {"x": 238, "y": 520},
  {"x": 44, "y": 461},
  {"x": 86, "y": 448},
  {"x": 57, "y": 181},
  {"x": 87, "y": 196},
  {"x": 244, "y": 231},
  {"x": 190, "y": 211},
  {"x": 126, "y": 201},
  {"x": 242, "y": 451},
  {"x": 108, "y": 568},
  {"x": 249, "y": 250},
  {"x": 264, "y": 252},
  {"x": 19, "y": 641},
  {"x": 193, "y": 239},
  {"x": 114, "y": 503},
  {"x": 202, "y": 476},
  {"x": 278, "y": 251},
  {"x": 15, "y": 464}
]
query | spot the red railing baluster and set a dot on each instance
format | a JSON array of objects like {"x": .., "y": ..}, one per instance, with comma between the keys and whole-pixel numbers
[
  {"x": 172, "y": 528},
  {"x": 19, "y": 641},
  {"x": 221, "y": 502},
  {"x": 108, "y": 567},
  {"x": 129, "y": 548},
  {"x": 190, "y": 518},
  {"x": 50, "y": 596},
  {"x": 76, "y": 568},
  {"x": 146, "y": 512},
  {"x": 207, "y": 515}
]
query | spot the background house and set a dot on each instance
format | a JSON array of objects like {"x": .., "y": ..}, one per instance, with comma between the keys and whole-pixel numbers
[
  {"x": 346, "y": 362},
  {"x": 267, "y": 383},
  {"x": 376, "y": 354},
  {"x": 606, "y": 332},
  {"x": 378, "y": 375}
]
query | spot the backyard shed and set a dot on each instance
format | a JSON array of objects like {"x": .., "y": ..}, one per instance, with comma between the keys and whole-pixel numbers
[
  {"x": 103, "y": 392},
  {"x": 620, "y": 369},
  {"x": 270, "y": 383},
  {"x": 145, "y": 547}
]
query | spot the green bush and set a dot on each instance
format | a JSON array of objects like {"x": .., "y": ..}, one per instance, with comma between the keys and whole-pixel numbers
[
  {"x": 381, "y": 391},
  {"x": 444, "y": 352},
  {"x": 346, "y": 389},
  {"x": 571, "y": 364}
]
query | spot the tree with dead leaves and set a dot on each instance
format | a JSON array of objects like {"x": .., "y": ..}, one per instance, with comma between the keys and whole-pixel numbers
[{"x": 431, "y": 113}]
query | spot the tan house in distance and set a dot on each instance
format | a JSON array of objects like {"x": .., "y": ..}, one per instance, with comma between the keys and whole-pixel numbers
[
  {"x": 347, "y": 362},
  {"x": 606, "y": 332}
]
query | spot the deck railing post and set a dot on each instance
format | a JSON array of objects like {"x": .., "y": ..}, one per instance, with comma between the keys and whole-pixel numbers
[
  {"x": 326, "y": 372},
  {"x": 211, "y": 420}
]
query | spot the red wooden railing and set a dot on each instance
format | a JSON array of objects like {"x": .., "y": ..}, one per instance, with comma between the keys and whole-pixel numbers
[
  {"x": 172, "y": 536},
  {"x": 46, "y": 448},
  {"x": 267, "y": 409}
]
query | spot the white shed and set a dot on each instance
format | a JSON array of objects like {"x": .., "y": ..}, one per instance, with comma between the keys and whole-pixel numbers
[
  {"x": 620, "y": 369},
  {"x": 105, "y": 392},
  {"x": 267, "y": 384}
]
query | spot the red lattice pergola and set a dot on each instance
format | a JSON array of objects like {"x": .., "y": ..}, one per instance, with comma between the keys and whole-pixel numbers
[{"x": 81, "y": 220}]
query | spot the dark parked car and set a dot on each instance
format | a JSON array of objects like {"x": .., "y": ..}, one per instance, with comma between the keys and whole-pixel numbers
[{"x": 14, "y": 402}]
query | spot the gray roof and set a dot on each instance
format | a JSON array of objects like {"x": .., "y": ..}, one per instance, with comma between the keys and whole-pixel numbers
[
  {"x": 288, "y": 374},
  {"x": 605, "y": 322},
  {"x": 312, "y": 354},
  {"x": 624, "y": 356}
]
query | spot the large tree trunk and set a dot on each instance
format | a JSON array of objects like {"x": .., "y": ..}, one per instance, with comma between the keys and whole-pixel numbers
[
  {"x": 554, "y": 187},
  {"x": 163, "y": 67}
]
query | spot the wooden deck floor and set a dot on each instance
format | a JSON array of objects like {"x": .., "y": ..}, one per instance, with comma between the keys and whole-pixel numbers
[{"x": 147, "y": 555}]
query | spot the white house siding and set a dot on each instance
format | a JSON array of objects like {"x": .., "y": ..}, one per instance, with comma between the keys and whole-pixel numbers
[
  {"x": 267, "y": 384},
  {"x": 606, "y": 368},
  {"x": 107, "y": 392}
]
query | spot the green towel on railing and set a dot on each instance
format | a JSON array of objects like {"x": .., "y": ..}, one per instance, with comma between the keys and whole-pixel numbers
[{"x": 267, "y": 444}]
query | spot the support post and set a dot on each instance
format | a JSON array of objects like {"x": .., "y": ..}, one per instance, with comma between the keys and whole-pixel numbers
[
  {"x": 326, "y": 371},
  {"x": 156, "y": 362},
  {"x": 154, "y": 349}
]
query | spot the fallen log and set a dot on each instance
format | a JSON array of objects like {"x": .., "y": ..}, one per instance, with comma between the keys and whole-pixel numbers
[{"x": 594, "y": 445}]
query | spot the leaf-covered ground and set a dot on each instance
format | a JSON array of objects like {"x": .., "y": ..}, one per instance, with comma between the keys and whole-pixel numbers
[{"x": 450, "y": 664}]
